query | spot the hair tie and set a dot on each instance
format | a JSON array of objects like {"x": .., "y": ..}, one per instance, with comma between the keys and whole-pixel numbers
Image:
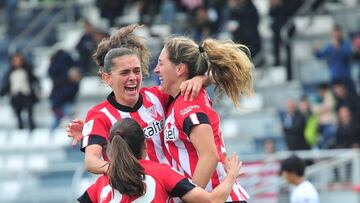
[
  {"x": 246, "y": 51},
  {"x": 119, "y": 133},
  {"x": 201, "y": 49}
]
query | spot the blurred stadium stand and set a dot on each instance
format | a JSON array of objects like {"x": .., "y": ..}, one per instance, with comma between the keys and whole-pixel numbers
[{"x": 39, "y": 167}]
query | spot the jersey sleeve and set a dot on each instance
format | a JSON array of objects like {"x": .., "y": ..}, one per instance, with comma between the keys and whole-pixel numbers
[
  {"x": 190, "y": 113},
  {"x": 175, "y": 183},
  {"x": 96, "y": 129}
]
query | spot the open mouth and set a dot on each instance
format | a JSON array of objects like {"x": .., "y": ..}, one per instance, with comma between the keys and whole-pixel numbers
[{"x": 130, "y": 89}]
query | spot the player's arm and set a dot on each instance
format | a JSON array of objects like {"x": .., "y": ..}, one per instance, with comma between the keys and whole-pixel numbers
[
  {"x": 202, "y": 138},
  {"x": 222, "y": 191},
  {"x": 94, "y": 162},
  {"x": 190, "y": 88}
]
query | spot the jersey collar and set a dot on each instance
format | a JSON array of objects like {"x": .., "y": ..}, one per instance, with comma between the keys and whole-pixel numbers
[{"x": 113, "y": 102}]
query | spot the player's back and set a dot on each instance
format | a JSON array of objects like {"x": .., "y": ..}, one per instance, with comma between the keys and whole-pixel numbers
[{"x": 161, "y": 181}]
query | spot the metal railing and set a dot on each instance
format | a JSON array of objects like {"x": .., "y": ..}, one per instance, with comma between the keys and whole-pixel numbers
[
  {"x": 321, "y": 173},
  {"x": 65, "y": 12}
]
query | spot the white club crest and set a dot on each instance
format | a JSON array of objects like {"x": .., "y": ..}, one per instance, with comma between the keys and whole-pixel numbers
[{"x": 152, "y": 111}]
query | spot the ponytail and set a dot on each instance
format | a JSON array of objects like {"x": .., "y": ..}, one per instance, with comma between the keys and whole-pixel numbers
[
  {"x": 125, "y": 172},
  {"x": 227, "y": 64},
  {"x": 230, "y": 67}
]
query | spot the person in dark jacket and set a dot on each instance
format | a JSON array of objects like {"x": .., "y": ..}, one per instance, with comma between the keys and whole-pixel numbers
[
  {"x": 245, "y": 13},
  {"x": 293, "y": 124},
  {"x": 21, "y": 85},
  {"x": 66, "y": 78},
  {"x": 348, "y": 132}
]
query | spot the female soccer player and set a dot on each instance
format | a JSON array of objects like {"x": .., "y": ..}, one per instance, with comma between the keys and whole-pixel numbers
[
  {"x": 192, "y": 134},
  {"x": 131, "y": 178},
  {"x": 123, "y": 60}
]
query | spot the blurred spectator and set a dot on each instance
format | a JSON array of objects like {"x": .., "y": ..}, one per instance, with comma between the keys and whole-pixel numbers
[
  {"x": 167, "y": 12},
  {"x": 148, "y": 10},
  {"x": 190, "y": 5},
  {"x": 201, "y": 24},
  {"x": 216, "y": 13},
  {"x": 325, "y": 112},
  {"x": 246, "y": 16},
  {"x": 346, "y": 98},
  {"x": 356, "y": 52},
  {"x": 11, "y": 7},
  {"x": 22, "y": 86},
  {"x": 293, "y": 124},
  {"x": 311, "y": 121},
  {"x": 348, "y": 131},
  {"x": 293, "y": 171},
  {"x": 281, "y": 11},
  {"x": 66, "y": 78},
  {"x": 111, "y": 9},
  {"x": 269, "y": 146},
  {"x": 337, "y": 54},
  {"x": 85, "y": 47}
]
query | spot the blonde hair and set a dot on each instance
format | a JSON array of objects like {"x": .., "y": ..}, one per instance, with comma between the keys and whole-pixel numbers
[
  {"x": 227, "y": 64},
  {"x": 123, "y": 38}
]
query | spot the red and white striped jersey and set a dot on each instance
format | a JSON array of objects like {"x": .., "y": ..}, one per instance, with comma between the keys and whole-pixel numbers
[
  {"x": 161, "y": 182},
  {"x": 149, "y": 112},
  {"x": 181, "y": 117}
]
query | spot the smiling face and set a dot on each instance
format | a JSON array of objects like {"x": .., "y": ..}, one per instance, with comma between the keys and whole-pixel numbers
[
  {"x": 168, "y": 75},
  {"x": 125, "y": 79}
]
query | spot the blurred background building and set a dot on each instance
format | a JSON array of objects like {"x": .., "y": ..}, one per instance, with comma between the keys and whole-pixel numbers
[{"x": 307, "y": 81}]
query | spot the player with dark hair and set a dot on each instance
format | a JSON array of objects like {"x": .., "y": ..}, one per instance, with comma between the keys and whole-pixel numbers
[
  {"x": 293, "y": 170},
  {"x": 123, "y": 60},
  {"x": 131, "y": 178}
]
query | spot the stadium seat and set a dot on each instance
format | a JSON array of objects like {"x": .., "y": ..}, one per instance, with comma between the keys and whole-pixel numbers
[
  {"x": 319, "y": 25},
  {"x": 40, "y": 138},
  {"x": 3, "y": 139},
  {"x": 19, "y": 139},
  {"x": 60, "y": 139},
  {"x": 11, "y": 188},
  {"x": 14, "y": 163},
  {"x": 37, "y": 163}
]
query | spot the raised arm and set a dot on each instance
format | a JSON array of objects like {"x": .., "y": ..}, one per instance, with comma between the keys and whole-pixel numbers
[
  {"x": 190, "y": 88},
  {"x": 222, "y": 191}
]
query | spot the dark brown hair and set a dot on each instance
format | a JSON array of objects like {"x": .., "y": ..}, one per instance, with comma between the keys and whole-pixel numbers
[
  {"x": 126, "y": 146},
  {"x": 125, "y": 38}
]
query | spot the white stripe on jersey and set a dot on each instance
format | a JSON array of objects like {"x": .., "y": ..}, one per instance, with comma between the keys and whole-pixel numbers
[
  {"x": 183, "y": 156},
  {"x": 242, "y": 190},
  {"x": 124, "y": 114},
  {"x": 194, "y": 119},
  {"x": 182, "y": 152},
  {"x": 159, "y": 150},
  {"x": 108, "y": 114},
  {"x": 209, "y": 186},
  {"x": 156, "y": 139},
  {"x": 155, "y": 100},
  {"x": 85, "y": 141}
]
